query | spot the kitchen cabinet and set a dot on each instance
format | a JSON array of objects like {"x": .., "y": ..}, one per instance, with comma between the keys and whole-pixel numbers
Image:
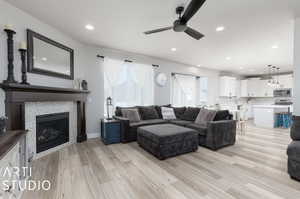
[
  {"x": 244, "y": 88},
  {"x": 264, "y": 115},
  {"x": 255, "y": 87},
  {"x": 265, "y": 89},
  {"x": 286, "y": 81},
  {"x": 228, "y": 86}
]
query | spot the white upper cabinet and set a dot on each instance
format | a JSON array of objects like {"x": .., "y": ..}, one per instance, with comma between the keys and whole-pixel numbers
[
  {"x": 244, "y": 88},
  {"x": 255, "y": 87},
  {"x": 228, "y": 86},
  {"x": 286, "y": 81}
]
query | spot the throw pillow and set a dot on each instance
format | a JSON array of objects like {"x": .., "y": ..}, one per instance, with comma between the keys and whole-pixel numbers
[
  {"x": 131, "y": 114},
  {"x": 179, "y": 111},
  {"x": 190, "y": 114},
  {"x": 158, "y": 109},
  {"x": 118, "y": 111},
  {"x": 148, "y": 112},
  {"x": 205, "y": 115},
  {"x": 168, "y": 113}
]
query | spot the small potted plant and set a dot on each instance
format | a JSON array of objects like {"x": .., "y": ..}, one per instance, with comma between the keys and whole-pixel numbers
[{"x": 2, "y": 124}]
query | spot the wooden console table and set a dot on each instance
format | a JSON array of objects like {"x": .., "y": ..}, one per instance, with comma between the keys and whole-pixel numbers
[{"x": 16, "y": 95}]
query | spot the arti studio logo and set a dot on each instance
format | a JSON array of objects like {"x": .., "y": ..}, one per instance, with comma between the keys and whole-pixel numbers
[{"x": 11, "y": 180}]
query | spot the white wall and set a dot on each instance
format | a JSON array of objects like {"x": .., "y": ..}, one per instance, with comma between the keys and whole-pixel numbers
[
  {"x": 87, "y": 65},
  {"x": 297, "y": 68},
  {"x": 20, "y": 22}
]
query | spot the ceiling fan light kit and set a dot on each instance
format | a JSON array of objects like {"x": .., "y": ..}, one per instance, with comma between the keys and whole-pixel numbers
[{"x": 180, "y": 25}]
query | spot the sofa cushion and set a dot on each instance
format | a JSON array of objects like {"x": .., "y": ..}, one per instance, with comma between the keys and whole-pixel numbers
[
  {"x": 147, "y": 122},
  {"x": 158, "y": 109},
  {"x": 148, "y": 112},
  {"x": 179, "y": 111},
  {"x": 222, "y": 115},
  {"x": 181, "y": 122},
  {"x": 201, "y": 128},
  {"x": 118, "y": 111},
  {"x": 131, "y": 114},
  {"x": 293, "y": 150},
  {"x": 190, "y": 114},
  {"x": 168, "y": 113},
  {"x": 205, "y": 115}
]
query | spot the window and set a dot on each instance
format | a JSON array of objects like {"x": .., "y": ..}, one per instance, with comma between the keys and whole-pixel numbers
[
  {"x": 128, "y": 84},
  {"x": 203, "y": 95},
  {"x": 189, "y": 90}
]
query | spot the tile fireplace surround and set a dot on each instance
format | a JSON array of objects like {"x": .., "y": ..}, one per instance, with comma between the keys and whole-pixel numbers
[
  {"x": 33, "y": 109},
  {"x": 24, "y": 102}
]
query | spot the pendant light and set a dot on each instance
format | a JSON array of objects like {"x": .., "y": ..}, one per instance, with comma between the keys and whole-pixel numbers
[
  {"x": 278, "y": 83},
  {"x": 274, "y": 73},
  {"x": 269, "y": 75}
]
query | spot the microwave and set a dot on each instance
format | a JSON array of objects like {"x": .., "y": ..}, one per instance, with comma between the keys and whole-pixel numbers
[{"x": 284, "y": 92}]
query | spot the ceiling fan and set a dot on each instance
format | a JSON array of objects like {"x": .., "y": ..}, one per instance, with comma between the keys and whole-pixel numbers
[{"x": 180, "y": 25}]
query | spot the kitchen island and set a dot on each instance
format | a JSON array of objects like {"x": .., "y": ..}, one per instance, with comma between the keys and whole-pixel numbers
[{"x": 265, "y": 115}]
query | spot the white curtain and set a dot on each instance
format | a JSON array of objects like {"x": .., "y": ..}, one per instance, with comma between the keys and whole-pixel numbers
[
  {"x": 128, "y": 84},
  {"x": 184, "y": 90},
  {"x": 203, "y": 95}
]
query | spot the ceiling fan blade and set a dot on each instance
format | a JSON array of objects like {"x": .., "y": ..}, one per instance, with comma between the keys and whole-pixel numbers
[
  {"x": 194, "y": 33},
  {"x": 191, "y": 10},
  {"x": 158, "y": 30}
]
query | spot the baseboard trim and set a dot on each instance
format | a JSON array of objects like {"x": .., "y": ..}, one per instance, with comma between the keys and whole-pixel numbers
[{"x": 93, "y": 135}]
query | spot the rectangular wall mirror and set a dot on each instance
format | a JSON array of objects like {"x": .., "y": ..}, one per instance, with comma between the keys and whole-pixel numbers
[{"x": 48, "y": 57}]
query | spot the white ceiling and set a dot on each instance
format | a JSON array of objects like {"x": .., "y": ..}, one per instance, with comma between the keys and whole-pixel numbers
[{"x": 252, "y": 28}]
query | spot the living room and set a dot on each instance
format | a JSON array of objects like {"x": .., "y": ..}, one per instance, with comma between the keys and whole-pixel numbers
[{"x": 106, "y": 104}]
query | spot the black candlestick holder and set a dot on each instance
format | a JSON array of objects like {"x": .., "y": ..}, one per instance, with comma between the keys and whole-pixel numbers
[
  {"x": 10, "y": 56},
  {"x": 23, "y": 66}
]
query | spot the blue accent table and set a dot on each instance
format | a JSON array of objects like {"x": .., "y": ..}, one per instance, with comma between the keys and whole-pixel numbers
[{"x": 110, "y": 131}]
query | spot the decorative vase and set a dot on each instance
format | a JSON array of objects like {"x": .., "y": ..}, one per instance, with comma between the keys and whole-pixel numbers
[
  {"x": 84, "y": 85},
  {"x": 2, "y": 125}
]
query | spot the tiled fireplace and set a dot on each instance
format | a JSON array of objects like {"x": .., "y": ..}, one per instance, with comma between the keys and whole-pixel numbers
[
  {"x": 31, "y": 107},
  {"x": 51, "y": 130},
  {"x": 51, "y": 125}
]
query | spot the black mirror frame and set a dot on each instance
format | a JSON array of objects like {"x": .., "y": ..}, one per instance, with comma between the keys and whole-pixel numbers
[{"x": 30, "y": 53}]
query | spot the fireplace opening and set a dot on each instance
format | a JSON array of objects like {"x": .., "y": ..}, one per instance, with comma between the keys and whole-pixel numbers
[{"x": 51, "y": 130}]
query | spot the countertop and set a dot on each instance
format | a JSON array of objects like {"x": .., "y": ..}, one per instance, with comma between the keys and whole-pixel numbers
[
  {"x": 272, "y": 106},
  {"x": 8, "y": 140}
]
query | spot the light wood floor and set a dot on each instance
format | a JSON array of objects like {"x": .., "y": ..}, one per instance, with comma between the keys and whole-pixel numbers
[{"x": 254, "y": 168}]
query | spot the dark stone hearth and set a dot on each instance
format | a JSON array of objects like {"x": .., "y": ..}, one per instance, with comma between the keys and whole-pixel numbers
[{"x": 51, "y": 130}]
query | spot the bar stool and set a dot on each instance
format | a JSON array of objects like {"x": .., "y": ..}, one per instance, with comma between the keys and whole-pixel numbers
[
  {"x": 283, "y": 120},
  {"x": 241, "y": 122}
]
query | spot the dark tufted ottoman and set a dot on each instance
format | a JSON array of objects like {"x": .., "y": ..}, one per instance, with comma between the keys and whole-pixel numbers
[{"x": 167, "y": 140}]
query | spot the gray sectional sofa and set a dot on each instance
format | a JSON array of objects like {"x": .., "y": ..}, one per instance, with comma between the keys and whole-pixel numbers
[{"x": 214, "y": 135}]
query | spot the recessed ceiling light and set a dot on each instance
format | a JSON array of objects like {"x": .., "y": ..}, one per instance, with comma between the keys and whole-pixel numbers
[
  {"x": 199, "y": 65},
  {"x": 89, "y": 27},
  {"x": 274, "y": 46},
  {"x": 241, "y": 68},
  {"x": 228, "y": 58},
  {"x": 173, "y": 49},
  {"x": 220, "y": 28},
  {"x": 44, "y": 59}
]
